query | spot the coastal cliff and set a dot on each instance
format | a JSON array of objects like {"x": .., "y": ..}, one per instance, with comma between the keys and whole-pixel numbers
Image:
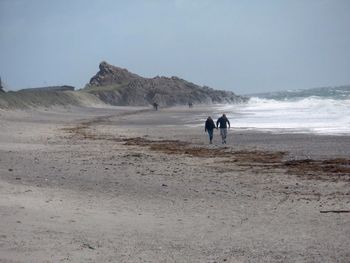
[{"x": 118, "y": 86}]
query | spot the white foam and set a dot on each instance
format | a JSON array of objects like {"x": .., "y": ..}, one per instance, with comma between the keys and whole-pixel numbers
[{"x": 310, "y": 115}]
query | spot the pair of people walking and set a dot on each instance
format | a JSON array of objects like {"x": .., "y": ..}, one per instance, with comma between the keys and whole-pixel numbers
[{"x": 221, "y": 123}]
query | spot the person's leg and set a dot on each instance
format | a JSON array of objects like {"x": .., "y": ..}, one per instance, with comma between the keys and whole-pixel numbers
[
  {"x": 210, "y": 132},
  {"x": 225, "y": 135},
  {"x": 222, "y": 135}
]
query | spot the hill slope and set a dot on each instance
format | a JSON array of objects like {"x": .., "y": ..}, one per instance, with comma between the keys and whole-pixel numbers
[
  {"x": 42, "y": 98},
  {"x": 118, "y": 86}
]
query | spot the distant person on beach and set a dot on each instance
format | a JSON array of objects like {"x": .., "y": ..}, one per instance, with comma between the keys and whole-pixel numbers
[
  {"x": 190, "y": 105},
  {"x": 209, "y": 127},
  {"x": 155, "y": 106},
  {"x": 222, "y": 124}
]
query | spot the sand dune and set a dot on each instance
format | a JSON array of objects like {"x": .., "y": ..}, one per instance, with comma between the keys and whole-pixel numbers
[{"x": 33, "y": 99}]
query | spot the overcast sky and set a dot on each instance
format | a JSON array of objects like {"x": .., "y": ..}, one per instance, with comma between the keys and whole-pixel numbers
[{"x": 243, "y": 46}]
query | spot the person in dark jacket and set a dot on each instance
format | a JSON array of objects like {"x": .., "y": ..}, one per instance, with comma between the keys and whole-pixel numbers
[
  {"x": 209, "y": 127},
  {"x": 222, "y": 124},
  {"x": 155, "y": 106}
]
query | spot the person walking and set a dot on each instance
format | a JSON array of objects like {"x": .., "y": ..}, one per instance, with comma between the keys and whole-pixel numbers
[
  {"x": 155, "y": 106},
  {"x": 209, "y": 127},
  {"x": 222, "y": 124}
]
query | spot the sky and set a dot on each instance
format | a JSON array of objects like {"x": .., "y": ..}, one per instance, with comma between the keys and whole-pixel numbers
[{"x": 238, "y": 45}]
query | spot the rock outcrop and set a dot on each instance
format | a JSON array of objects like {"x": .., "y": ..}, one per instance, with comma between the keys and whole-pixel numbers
[
  {"x": 111, "y": 75},
  {"x": 118, "y": 86}
]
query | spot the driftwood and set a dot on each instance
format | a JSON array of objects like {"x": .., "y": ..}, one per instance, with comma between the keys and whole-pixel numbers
[{"x": 335, "y": 211}]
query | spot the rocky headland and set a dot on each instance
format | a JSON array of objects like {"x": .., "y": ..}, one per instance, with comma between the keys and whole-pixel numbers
[{"x": 117, "y": 86}]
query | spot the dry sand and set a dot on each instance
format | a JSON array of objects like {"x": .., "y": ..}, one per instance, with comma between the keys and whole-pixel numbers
[{"x": 136, "y": 185}]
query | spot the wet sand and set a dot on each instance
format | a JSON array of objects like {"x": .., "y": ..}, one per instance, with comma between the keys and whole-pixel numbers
[{"x": 135, "y": 185}]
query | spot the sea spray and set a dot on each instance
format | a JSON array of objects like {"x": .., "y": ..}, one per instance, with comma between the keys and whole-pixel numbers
[{"x": 319, "y": 111}]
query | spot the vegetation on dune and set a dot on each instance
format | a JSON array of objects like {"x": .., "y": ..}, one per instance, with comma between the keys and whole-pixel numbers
[{"x": 113, "y": 87}]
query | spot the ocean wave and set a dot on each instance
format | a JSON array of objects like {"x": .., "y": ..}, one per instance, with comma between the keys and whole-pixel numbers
[{"x": 313, "y": 114}]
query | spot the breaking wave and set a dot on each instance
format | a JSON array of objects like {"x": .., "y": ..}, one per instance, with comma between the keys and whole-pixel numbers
[{"x": 328, "y": 114}]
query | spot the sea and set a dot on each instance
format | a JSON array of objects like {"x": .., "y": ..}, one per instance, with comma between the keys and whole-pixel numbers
[{"x": 324, "y": 111}]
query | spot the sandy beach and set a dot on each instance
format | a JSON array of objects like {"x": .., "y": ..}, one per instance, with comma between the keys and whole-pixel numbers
[{"x": 129, "y": 184}]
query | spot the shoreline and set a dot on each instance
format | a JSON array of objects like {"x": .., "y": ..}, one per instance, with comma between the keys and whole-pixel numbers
[{"x": 85, "y": 185}]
